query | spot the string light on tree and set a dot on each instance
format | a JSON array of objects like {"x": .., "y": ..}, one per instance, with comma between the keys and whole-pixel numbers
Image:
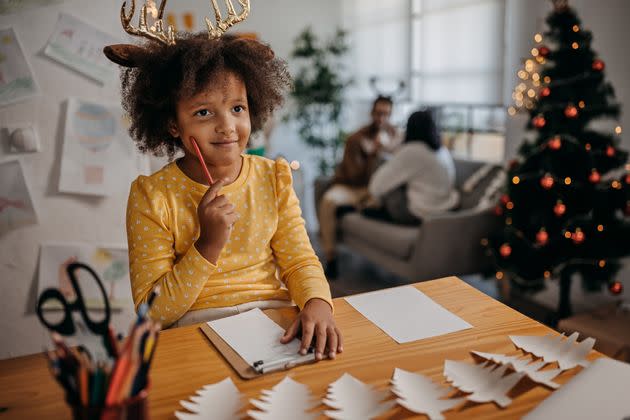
[
  {"x": 505, "y": 250},
  {"x": 610, "y": 151},
  {"x": 618, "y": 129},
  {"x": 545, "y": 92},
  {"x": 578, "y": 236}
]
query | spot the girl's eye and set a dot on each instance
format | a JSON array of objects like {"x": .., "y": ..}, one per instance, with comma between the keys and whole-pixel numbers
[
  {"x": 203, "y": 113},
  {"x": 238, "y": 108}
]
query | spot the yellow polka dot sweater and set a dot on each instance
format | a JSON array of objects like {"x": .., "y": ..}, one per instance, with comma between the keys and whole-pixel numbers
[{"x": 162, "y": 228}]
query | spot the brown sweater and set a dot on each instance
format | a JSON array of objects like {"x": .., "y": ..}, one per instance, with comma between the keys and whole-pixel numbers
[{"x": 357, "y": 166}]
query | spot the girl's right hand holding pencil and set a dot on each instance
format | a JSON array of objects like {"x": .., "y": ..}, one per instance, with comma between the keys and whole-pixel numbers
[{"x": 216, "y": 218}]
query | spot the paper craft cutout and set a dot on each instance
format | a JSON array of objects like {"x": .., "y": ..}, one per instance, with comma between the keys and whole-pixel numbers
[
  {"x": 287, "y": 400},
  {"x": 219, "y": 401},
  {"x": 485, "y": 382},
  {"x": 543, "y": 377},
  {"x": 111, "y": 263},
  {"x": 354, "y": 400},
  {"x": 553, "y": 348},
  {"x": 98, "y": 156},
  {"x": 14, "y": 6},
  {"x": 79, "y": 46},
  {"x": 421, "y": 395},
  {"x": 16, "y": 204}
]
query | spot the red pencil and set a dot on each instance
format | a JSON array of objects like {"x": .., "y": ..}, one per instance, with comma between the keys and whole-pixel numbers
[{"x": 201, "y": 161}]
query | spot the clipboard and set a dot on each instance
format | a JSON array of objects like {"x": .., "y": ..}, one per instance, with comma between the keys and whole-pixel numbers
[{"x": 242, "y": 368}]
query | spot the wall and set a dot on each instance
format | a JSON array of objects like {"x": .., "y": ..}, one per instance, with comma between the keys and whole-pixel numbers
[{"x": 76, "y": 218}]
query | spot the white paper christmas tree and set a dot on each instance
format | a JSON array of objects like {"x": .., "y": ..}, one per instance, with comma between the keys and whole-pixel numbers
[
  {"x": 485, "y": 382},
  {"x": 552, "y": 348},
  {"x": 532, "y": 370},
  {"x": 421, "y": 395},
  {"x": 220, "y": 401},
  {"x": 354, "y": 400},
  {"x": 287, "y": 400}
]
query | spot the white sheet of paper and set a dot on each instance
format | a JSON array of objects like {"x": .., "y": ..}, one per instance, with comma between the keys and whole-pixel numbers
[
  {"x": 554, "y": 348},
  {"x": 110, "y": 262},
  {"x": 219, "y": 401},
  {"x": 421, "y": 395},
  {"x": 532, "y": 370},
  {"x": 286, "y": 400},
  {"x": 16, "y": 202},
  {"x": 254, "y": 336},
  {"x": 79, "y": 46},
  {"x": 485, "y": 382},
  {"x": 98, "y": 157},
  {"x": 598, "y": 392},
  {"x": 354, "y": 400},
  {"x": 406, "y": 314},
  {"x": 17, "y": 82}
]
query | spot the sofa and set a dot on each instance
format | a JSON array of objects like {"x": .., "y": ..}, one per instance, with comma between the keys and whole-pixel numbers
[{"x": 442, "y": 245}]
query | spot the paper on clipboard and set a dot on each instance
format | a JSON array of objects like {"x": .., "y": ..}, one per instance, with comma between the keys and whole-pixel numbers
[{"x": 254, "y": 336}]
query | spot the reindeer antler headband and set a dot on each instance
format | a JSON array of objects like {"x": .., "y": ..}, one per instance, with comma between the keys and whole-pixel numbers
[{"x": 123, "y": 53}]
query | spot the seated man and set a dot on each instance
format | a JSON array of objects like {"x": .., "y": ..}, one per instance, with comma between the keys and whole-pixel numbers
[{"x": 361, "y": 157}]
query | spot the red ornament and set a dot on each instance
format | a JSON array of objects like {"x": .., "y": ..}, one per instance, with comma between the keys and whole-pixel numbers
[
  {"x": 547, "y": 181},
  {"x": 543, "y": 51},
  {"x": 559, "y": 209},
  {"x": 610, "y": 151},
  {"x": 628, "y": 179},
  {"x": 513, "y": 163},
  {"x": 539, "y": 121},
  {"x": 505, "y": 250},
  {"x": 542, "y": 237},
  {"x": 598, "y": 65},
  {"x": 555, "y": 143},
  {"x": 498, "y": 210},
  {"x": 544, "y": 92},
  {"x": 615, "y": 288},
  {"x": 505, "y": 199},
  {"x": 571, "y": 111},
  {"x": 594, "y": 177},
  {"x": 578, "y": 236}
]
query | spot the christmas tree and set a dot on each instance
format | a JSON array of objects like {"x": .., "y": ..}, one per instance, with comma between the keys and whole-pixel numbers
[{"x": 567, "y": 199}]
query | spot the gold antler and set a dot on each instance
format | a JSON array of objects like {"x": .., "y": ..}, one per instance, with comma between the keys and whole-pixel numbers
[
  {"x": 231, "y": 20},
  {"x": 155, "y": 33}
]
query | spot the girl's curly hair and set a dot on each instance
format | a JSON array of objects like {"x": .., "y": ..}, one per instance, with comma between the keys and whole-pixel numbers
[{"x": 166, "y": 74}]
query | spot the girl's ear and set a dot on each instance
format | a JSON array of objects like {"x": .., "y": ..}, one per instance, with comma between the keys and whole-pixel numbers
[{"x": 173, "y": 129}]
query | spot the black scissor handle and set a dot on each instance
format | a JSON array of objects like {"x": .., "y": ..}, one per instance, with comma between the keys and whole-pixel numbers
[{"x": 66, "y": 325}]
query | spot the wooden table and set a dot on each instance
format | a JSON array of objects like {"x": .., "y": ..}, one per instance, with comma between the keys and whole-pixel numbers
[{"x": 185, "y": 360}]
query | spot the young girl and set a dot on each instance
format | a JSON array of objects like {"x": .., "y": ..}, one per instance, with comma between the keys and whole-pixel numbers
[{"x": 215, "y": 249}]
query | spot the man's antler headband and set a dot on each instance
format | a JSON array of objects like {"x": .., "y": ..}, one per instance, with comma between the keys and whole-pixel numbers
[{"x": 123, "y": 53}]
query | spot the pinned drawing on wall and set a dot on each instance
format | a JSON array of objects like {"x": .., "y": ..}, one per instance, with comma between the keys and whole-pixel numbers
[
  {"x": 79, "y": 46},
  {"x": 111, "y": 263},
  {"x": 98, "y": 156},
  {"x": 16, "y": 205},
  {"x": 16, "y": 78},
  {"x": 14, "y": 6}
]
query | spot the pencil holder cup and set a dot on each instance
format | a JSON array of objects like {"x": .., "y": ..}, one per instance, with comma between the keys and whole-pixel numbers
[{"x": 134, "y": 408}]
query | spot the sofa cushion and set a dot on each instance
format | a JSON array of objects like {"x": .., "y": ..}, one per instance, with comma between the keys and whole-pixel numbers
[
  {"x": 391, "y": 239},
  {"x": 476, "y": 186}
]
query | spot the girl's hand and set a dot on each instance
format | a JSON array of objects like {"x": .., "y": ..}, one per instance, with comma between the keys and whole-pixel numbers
[
  {"x": 316, "y": 321},
  {"x": 216, "y": 218}
]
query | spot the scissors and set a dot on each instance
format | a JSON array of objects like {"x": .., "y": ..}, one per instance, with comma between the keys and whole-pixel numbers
[{"x": 67, "y": 326}]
